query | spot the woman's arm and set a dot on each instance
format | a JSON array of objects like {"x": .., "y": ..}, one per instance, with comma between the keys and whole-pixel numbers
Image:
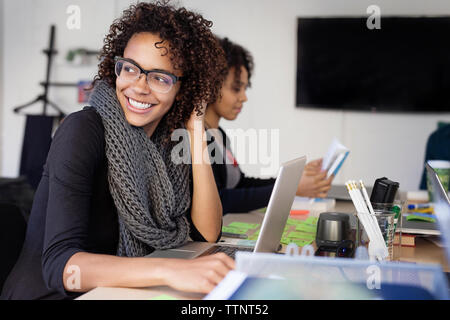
[
  {"x": 67, "y": 266},
  {"x": 206, "y": 210},
  {"x": 85, "y": 271}
]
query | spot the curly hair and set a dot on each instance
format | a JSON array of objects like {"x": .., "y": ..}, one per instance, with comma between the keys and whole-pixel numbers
[
  {"x": 190, "y": 44},
  {"x": 237, "y": 57}
]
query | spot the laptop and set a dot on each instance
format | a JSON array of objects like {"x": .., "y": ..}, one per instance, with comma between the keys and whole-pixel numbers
[
  {"x": 272, "y": 227},
  {"x": 441, "y": 204},
  {"x": 340, "y": 192}
]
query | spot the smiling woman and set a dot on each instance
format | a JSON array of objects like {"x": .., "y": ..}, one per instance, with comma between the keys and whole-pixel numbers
[
  {"x": 145, "y": 96},
  {"x": 110, "y": 193},
  {"x": 190, "y": 54}
]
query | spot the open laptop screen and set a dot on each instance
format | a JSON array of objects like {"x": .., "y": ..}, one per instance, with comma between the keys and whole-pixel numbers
[{"x": 441, "y": 204}]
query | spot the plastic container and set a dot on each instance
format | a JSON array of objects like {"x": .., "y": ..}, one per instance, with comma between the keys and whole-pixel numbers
[{"x": 333, "y": 278}]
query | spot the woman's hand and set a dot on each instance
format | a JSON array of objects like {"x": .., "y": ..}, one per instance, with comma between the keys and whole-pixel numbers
[
  {"x": 101, "y": 270},
  {"x": 196, "y": 117},
  {"x": 200, "y": 274},
  {"x": 314, "y": 182}
]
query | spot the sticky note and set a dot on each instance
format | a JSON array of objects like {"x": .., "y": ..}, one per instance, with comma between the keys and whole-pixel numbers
[
  {"x": 234, "y": 230},
  {"x": 300, "y": 235},
  {"x": 307, "y": 235},
  {"x": 243, "y": 225},
  {"x": 306, "y": 227},
  {"x": 312, "y": 220},
  {"x": 285, "y": 233},
  {"x": 293, "y": 222},
  {"x": 416, "y": 217},
  {"x": 300, "y": 243},
  {"x": 299, "y": 212},
  {"x": 254, "y": 236}
]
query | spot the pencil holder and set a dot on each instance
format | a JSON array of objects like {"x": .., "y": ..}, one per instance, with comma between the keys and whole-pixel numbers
[
  {"x": 368, "y": 234},
  {"x": 397, "y": 207}
]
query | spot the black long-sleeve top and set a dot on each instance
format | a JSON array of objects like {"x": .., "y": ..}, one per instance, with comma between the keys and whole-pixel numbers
[
  {"x": 249, "y": 194},
  {"x": 73, "y": 211},
  {"x": 438, "y": 148}
]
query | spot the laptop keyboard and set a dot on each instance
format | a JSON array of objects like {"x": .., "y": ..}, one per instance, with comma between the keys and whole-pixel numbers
[{"x": 228, "y": 250}]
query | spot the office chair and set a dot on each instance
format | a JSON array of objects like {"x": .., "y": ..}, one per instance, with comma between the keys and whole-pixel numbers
[{"x": 12, "y": 236}]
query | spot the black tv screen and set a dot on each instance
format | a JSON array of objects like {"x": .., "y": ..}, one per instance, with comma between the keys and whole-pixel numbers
[{"x": 404, "y": 66}]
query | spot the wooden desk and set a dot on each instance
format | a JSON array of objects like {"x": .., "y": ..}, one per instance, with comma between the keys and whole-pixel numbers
[
  {"x": 424, "y": 252},
  {"x": 150, "y": 293}
]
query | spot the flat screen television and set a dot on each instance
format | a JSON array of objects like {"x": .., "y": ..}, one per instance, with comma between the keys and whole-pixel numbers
[{"x": 402, "y": 67}]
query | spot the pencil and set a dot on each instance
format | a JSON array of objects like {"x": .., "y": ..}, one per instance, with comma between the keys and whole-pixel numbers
[{"x": 372, "y": 212}]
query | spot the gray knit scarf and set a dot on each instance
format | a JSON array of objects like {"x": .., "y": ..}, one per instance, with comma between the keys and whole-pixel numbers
[{"x": 150, "y": 192}]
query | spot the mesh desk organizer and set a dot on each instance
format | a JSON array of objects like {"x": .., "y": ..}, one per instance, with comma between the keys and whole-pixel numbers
[{"x": 291, "y": 276}]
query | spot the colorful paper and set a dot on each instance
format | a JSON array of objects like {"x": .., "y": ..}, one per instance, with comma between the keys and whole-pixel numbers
[
  {"x": 306, "y": 228},
  {"x": 243, "y": 225},
  {"x": 234, "y": 230}
]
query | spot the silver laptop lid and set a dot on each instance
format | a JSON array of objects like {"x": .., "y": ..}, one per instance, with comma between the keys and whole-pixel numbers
[
  {"x": 280, "y": 204},
  {"x": 441, "y": 204}
]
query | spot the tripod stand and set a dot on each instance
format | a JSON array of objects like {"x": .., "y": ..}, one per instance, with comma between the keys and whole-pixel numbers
[{"x": 44, "y": 97}]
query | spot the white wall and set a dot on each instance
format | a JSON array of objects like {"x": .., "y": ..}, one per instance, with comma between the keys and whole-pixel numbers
[
  {"x": 389, "y": 145},
  {"x": 268, "y": 29},
  {"x": 27, "y": 26}
]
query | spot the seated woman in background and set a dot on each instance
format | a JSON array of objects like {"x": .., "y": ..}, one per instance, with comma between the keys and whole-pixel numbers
[
  {"x": 110, "y": 193},
  {"x": 437, "y": 148},
  {"x": 238, "y": 192}
]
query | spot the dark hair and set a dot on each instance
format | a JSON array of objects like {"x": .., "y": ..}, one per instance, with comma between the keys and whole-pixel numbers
[
  {"x": 237, "y": 57},
  {"x": 188, "y": 41}
]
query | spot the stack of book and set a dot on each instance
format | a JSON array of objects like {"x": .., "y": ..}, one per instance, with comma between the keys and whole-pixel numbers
[
  {"x": 418, "y": 221},
  {"x": 408, "y": 239}
]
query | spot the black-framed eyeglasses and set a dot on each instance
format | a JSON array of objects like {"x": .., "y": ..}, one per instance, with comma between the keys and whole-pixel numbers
[{"x": 158, "y": 80}]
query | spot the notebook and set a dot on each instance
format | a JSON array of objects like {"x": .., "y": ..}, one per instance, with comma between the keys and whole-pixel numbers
[
  {"x": 272, "y": 226},
  {"x": 429, "y": 228},
  {"x": 334, "y": 158},
  {"x": 340, "y": 192}
]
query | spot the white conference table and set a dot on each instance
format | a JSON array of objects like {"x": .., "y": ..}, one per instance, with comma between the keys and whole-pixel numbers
[{"x": 424, "y": 252}]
